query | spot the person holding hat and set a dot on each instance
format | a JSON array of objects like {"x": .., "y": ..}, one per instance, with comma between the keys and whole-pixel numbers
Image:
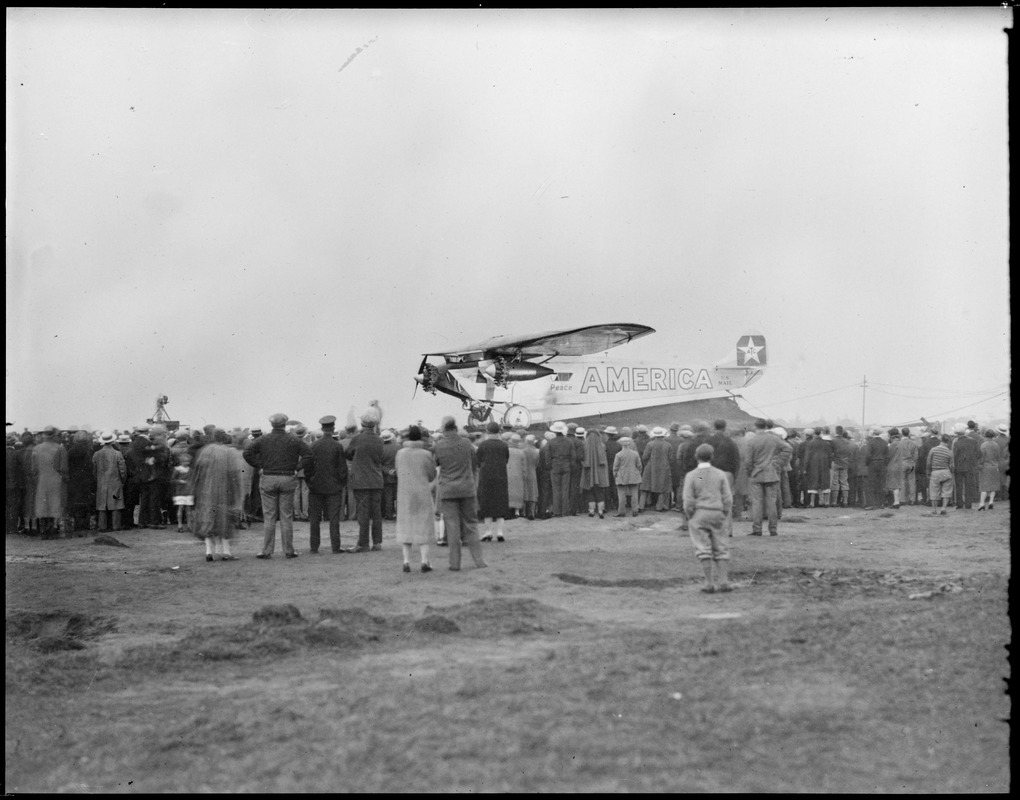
[
  {"x": 627, "y": 476},
  {"x": 966, "y": 457},
  {"x": 110, "y": 471},
  {"x": 708, "y": 502},
  {"x": 49, "y": 465},
  {"x": 492, "y": 455},
  {"x": 278, "y": 455},
  {"x": 656, "y": 475},
  {"x": 365, "y": 452},
  {"x": 458, "y": 502},
  {"x": 326, "y": 486}
]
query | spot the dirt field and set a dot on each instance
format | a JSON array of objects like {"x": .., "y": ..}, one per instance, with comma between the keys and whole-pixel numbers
[{"x": 860, "y": 652}]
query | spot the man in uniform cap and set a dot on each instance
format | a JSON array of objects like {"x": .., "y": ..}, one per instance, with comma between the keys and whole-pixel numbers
[
  {"x": 326, "y": 486},
  {"x": 278, "y": 455}
]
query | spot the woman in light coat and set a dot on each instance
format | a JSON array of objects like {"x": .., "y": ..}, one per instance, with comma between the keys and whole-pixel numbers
[
  {"x": 416, "y": 470},
  {"x": 988, "y": 471},
  {"x": 49, "y": 465},
  {"x": 515, "y": 469}
]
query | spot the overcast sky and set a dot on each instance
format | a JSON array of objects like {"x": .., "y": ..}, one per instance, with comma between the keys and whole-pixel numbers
[{"x": 261, "y": 211}]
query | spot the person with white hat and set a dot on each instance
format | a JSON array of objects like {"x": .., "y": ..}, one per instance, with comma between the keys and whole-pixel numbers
[
  {"x": 627, "y": 476},
  {"x": 561, "y": 457},
  {"x": 966, "y": 457},
  {"x": 656, "y": 473},
  {"x": 111, "y": 474},
  {"x": 576, "y": 436}
]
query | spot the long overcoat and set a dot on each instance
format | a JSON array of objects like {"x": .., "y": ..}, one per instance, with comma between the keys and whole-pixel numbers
[
  {"x": 493, "y": 492},
  {"x": 111, "y": 473},
  {"x": 655, "y": 474},
  {"x": 530, "y": 472},
  {"x": 49, "y": 464},
  {"x": 815, "y": 463},
  {"x": 516, "y": 466},
  {"x": 416, "y": 470}
]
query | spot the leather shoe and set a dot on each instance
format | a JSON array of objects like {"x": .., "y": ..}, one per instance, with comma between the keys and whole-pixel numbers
[
  {"x": 264, "y": 555},
  {"x": 426, "y": 568},
  {"x": 291, "y": 555},
  {"x": 377, "y": 547},
  {"x": 361, "y": 549},
  {"x": 407, "y": 567},
  {"x": 208, "y": 558}
]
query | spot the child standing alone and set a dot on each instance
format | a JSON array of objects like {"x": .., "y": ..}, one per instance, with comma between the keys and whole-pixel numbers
[{"x": 707, "y": 503}]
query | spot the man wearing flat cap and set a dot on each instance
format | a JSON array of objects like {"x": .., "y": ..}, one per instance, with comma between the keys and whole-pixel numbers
[
  {"x": 278, "y": 456},
  {"x": 326, "y": 486}
]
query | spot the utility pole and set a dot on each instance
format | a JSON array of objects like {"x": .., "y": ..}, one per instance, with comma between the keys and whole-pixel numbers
[{"x": 864, "y": 390}]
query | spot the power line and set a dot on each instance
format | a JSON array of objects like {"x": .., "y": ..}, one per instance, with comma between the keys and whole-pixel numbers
[
  {"x": 961, "y": 408},
  {"x": 942, "y": 389}
]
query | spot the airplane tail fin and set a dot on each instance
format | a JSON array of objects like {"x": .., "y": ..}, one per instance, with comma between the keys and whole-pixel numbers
[{"x": 751, "y": 353}]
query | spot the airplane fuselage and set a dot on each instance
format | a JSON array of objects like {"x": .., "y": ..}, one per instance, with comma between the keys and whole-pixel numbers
[{"x": 583, "y": 386}]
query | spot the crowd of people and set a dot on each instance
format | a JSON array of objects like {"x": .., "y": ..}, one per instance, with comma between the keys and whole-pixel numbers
[{"x": 457, "y": 487}]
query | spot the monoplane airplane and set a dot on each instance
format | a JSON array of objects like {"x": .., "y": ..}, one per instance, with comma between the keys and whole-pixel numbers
[{"x": 560, "y": 375}]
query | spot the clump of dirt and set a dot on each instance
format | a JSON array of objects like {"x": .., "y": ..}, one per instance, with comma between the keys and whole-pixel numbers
[
  {"x": 830, "y": 584},
  {"x": 111, "y": 541},
  {"x": 53, "y": 631},
  {"x": 277, "y": 615},
  {"x": 495, "y": 617},
  {"x": 628, "y": 583},
  {"x": 436, "y": 623}
]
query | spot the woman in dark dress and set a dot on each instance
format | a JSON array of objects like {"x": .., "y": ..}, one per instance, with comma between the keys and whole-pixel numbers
[{"x": 493, "y": 489}]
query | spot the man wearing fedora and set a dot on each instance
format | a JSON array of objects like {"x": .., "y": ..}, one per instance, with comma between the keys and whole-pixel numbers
[
  {"x": 966, "y": 457},
  {"x": 326, "y": 486},
  {"x": 278, "y": 455},
  {"x": 110, "y": 470}
]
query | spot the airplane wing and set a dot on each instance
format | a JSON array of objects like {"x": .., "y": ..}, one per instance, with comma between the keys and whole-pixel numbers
[{"x": 571, "y": 342}]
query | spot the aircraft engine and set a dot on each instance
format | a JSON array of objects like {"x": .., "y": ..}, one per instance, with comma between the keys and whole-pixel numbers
[{"x": 502, "y": 373}]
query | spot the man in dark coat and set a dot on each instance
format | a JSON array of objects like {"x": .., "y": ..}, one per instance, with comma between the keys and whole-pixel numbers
[
  {"x": 365, "y": 452},
  {"x": 966, "y": 457},
  {"x": 875, "y": 458},
  {"x": 279, "y": 455},
  {"x": 326, "y": 486},
  {"x": 725, "y": 456},
  {"x": 613, "y": 447}
]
